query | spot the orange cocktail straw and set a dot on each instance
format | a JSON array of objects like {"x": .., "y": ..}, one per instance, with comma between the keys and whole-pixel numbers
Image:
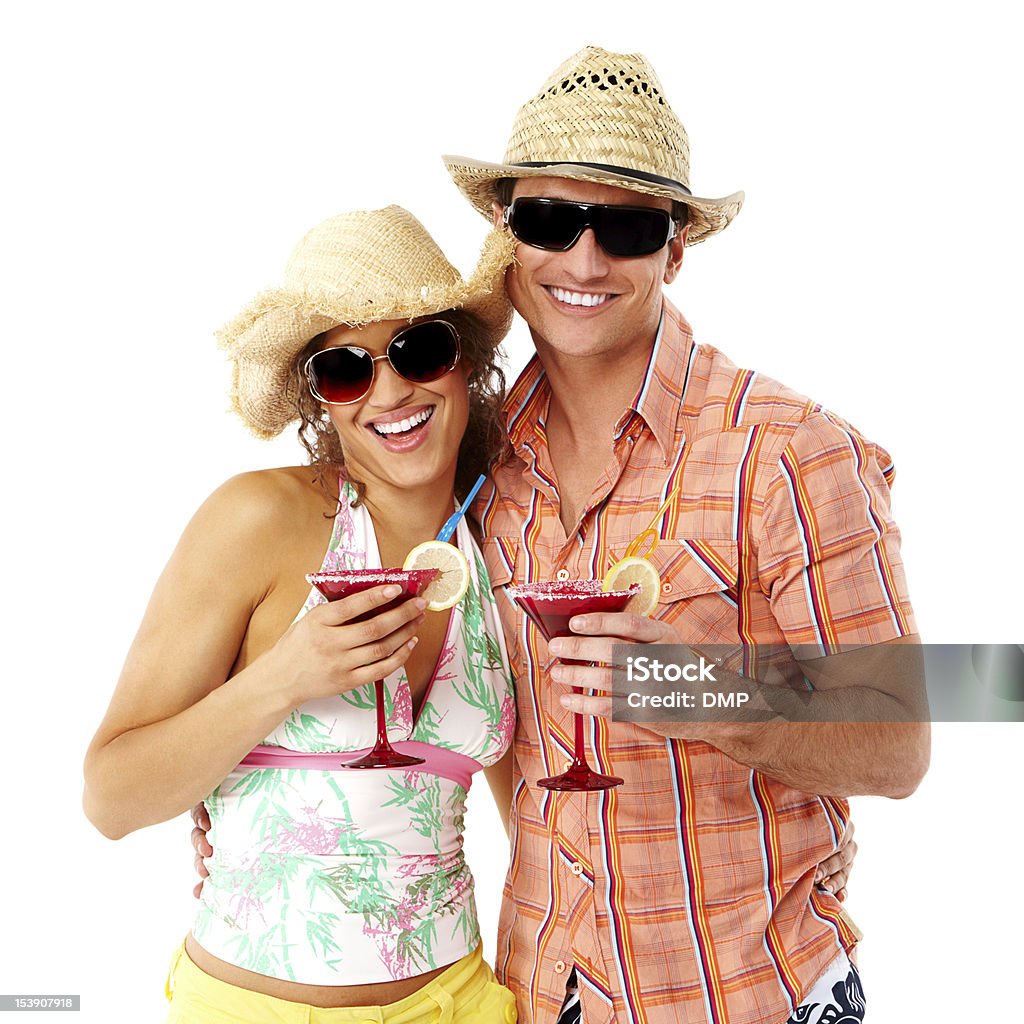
[{"x": 650, "y": 536}]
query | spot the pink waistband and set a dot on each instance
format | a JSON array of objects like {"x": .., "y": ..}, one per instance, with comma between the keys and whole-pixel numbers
[{"x": 437, "y": 761}]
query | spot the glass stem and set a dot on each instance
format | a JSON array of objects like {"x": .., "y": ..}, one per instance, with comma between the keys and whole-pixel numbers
[
  {"x": 382, "y": 725},
  {"x": 579, "y": 756},
  {"x": 579, "y": 759}
]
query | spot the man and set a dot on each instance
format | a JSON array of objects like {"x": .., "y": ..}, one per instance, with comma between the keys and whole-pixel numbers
[{"x": 688, "y": 894}]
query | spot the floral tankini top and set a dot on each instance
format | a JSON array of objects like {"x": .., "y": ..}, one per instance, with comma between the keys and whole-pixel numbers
[{"x": 331, "y": 877}]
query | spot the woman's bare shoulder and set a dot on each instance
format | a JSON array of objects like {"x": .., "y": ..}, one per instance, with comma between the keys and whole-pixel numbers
[
  {"x": 262, "y": 519},
  {"x": 271, "y": 498}
]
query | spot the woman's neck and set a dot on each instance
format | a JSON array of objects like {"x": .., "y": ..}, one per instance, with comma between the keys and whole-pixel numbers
[{"x": 404, "y": 517}]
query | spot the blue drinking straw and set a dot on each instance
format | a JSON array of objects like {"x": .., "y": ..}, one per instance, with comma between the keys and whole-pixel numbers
[{"x": 453, "y": 520}]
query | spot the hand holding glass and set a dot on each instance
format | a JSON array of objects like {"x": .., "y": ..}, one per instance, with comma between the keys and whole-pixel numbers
[
  {"x": 336, "y": 585},
  {"x": 550, "y": 606}
]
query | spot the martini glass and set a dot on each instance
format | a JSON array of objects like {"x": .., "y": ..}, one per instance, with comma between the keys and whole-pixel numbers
[
  {"x": 550, "y": 606},
  {"x": 336, "y": 585}
]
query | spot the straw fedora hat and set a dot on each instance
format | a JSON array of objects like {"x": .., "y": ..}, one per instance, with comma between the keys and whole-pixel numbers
[
  {"x": 355, "y": 269},
  {"x": 600, "y": 117}
]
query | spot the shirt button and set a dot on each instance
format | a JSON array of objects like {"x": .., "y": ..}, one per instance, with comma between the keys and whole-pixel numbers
[
  {"x": 562, "y": 574},
  {"x": 559, "y": 967},
  {"x": 577, "y": 868},
  {"x": 666, "y": 587}
]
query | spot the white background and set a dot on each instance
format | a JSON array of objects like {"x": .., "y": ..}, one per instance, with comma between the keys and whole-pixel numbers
[{"x": 161, "y": 161}]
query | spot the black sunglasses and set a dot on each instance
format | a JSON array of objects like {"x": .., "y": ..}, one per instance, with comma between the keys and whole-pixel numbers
[
  {"x": 556, "y": 225},
  {"x": 420, "y": 354}
]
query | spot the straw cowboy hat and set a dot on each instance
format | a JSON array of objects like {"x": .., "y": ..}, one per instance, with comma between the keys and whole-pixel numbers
[
  {"x": 354, "y": 269},
  {"x": 600, "y": 117}
]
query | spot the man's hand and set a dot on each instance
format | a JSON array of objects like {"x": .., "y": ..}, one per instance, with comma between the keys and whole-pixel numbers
[
  {"x": 603, "y": 630},
  {"x": 201, "y": 844}
]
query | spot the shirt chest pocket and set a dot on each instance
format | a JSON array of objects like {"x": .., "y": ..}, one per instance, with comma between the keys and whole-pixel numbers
[
  {"x": 699, "y": 587},
  {"x": 500, "y": 555}
]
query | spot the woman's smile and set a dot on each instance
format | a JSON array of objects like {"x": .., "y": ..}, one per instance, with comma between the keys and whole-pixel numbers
[{"x": 403, "y": 430}]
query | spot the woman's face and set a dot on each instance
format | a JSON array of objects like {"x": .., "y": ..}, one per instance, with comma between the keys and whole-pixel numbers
[{"x": 400, "y": 434}]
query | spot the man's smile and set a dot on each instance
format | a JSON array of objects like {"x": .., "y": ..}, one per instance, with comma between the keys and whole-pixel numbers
[{"x": 567, "y": 297}]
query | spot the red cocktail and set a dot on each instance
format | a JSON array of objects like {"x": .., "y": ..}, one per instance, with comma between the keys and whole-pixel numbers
[
  {"x": 550, "y": 606},
  {"x": 336, "y": 585}
]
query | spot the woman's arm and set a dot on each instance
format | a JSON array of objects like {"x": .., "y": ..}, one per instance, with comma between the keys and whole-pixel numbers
[{"x": 182, "y": 716}]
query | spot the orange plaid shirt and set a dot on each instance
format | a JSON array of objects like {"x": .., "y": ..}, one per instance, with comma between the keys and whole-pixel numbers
[{"x": 687, "y": 893}]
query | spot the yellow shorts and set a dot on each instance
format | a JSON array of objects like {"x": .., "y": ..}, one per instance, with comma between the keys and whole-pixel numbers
[{"x": 465, "y": 993}]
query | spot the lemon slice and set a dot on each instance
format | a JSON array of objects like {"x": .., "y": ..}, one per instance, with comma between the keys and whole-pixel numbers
[
  {"x": 452, "y": 581},
  {"x": 627, "y": 571}
]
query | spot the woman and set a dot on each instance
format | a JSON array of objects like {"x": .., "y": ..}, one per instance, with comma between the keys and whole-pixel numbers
[{"x": 330, "y": 888}]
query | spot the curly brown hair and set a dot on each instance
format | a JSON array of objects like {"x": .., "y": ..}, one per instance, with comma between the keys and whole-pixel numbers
[{"x": 484, "y": 441}]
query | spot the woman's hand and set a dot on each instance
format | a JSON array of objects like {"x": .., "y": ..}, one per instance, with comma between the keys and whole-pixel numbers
[
  {"x": 834, "y": 872},
  {"x": 201, "y": 845},
  {"x": 342, "y": 645}
]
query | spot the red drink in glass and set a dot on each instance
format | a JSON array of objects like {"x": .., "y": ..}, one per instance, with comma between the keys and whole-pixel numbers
[
  {"x": 346, "y": 582},
  {"x": 550, "y": 606},
  {"x": 336, "y": 585}
]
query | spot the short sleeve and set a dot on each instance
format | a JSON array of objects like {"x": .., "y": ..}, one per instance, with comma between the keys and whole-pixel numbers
[{"x": 828, "y": 549}]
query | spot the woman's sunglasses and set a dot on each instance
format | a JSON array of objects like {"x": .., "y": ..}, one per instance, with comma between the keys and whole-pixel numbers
[
  {"x": 420, "y": 354},
  {"x": 556, "y": 225}
]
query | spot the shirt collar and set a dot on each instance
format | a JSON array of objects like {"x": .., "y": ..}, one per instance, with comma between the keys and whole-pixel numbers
[
  {"x": 526, "y": 404},
  {"x": 658, "y": 400}
]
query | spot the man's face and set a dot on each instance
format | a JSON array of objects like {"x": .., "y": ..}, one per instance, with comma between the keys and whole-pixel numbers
[{"x": 624, "y": 292}]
